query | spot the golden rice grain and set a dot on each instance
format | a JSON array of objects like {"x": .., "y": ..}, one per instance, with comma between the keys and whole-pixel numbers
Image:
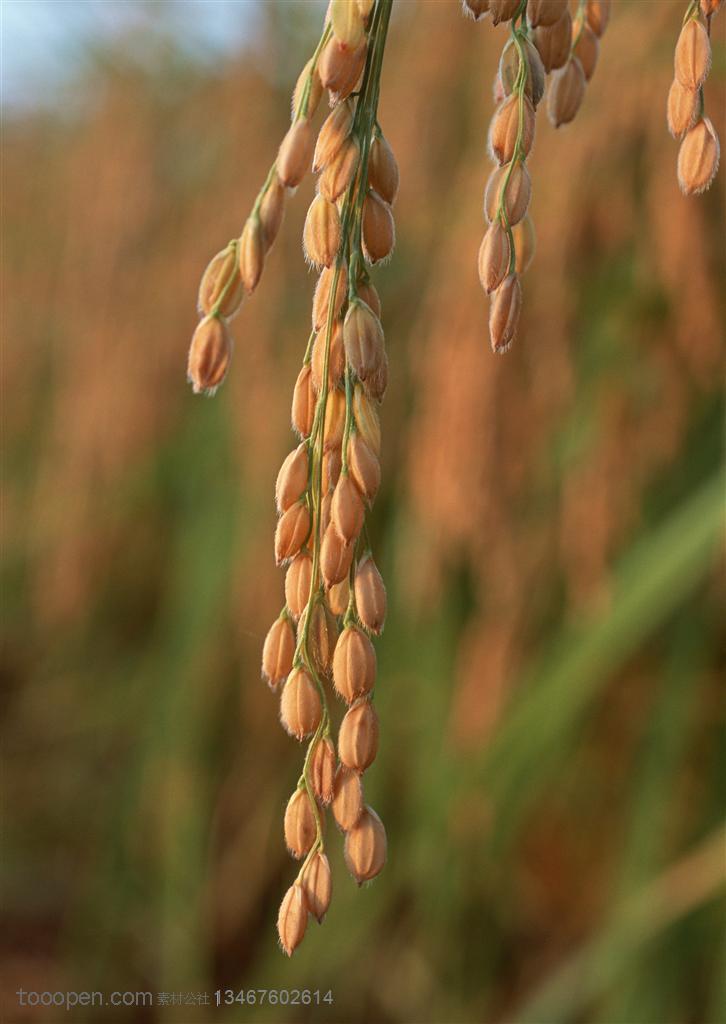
[
  {"x": 295, "y": 154},
  {"x": 292, "y": 919},
  {"x": 210, "y": 354},
  {"x": 698, "y": 158},
  {"x": 299, "y": 824},
  {"x": 317, "y": 883},
  {"x": 366, "y": 847},
  {"x": 347, "y": 803},
  {"x": 293, "y": 529},
  {"x": 300, "y": 706},
  {"x": 221, "y": 289},
  {"x": 370, "y": 596},
  {"x": 322, "y": 770},
  {"x": 566, "y": 93},
  {"x": 504, "y": 313},
  {"x": 278, "y": 652},
  {"x": 358, "y": 736},
  {"x": 354, "y": 665},
  {"x": 494, "y": 257},
  {"x": 553, "y": 42}
]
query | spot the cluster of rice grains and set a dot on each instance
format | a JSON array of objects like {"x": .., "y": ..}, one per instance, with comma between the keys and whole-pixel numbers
[
  {"x": 699, "y": 153},
  {"x": 544, "y": 41},
  {"x": 335, "y": 599}
]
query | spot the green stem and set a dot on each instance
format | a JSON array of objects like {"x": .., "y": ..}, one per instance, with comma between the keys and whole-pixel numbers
[
  {"x": 691, "y": 11},
  {"x": 302, "y": 110},
  {"x": 319, "y": 843},
  {"x": 263, "y": 191},
  {"x": 580, "y": 23},
  {"x": 348, "y": 417},
  {"x": 364, "y": 123},
  {"x": 309, "y": 349}
]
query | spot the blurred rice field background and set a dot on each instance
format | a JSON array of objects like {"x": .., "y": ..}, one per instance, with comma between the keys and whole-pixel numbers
[{"x": 551, "y": 683}]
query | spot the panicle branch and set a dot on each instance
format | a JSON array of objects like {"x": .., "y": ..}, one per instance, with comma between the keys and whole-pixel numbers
[
  {"x": 544, "y": 41},
  {"x": 235, "y": 272},
  {"x": 335, "y": 599}
]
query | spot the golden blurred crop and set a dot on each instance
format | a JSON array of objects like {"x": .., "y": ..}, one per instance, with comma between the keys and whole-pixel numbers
[{"x": 550, "y": 682}]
